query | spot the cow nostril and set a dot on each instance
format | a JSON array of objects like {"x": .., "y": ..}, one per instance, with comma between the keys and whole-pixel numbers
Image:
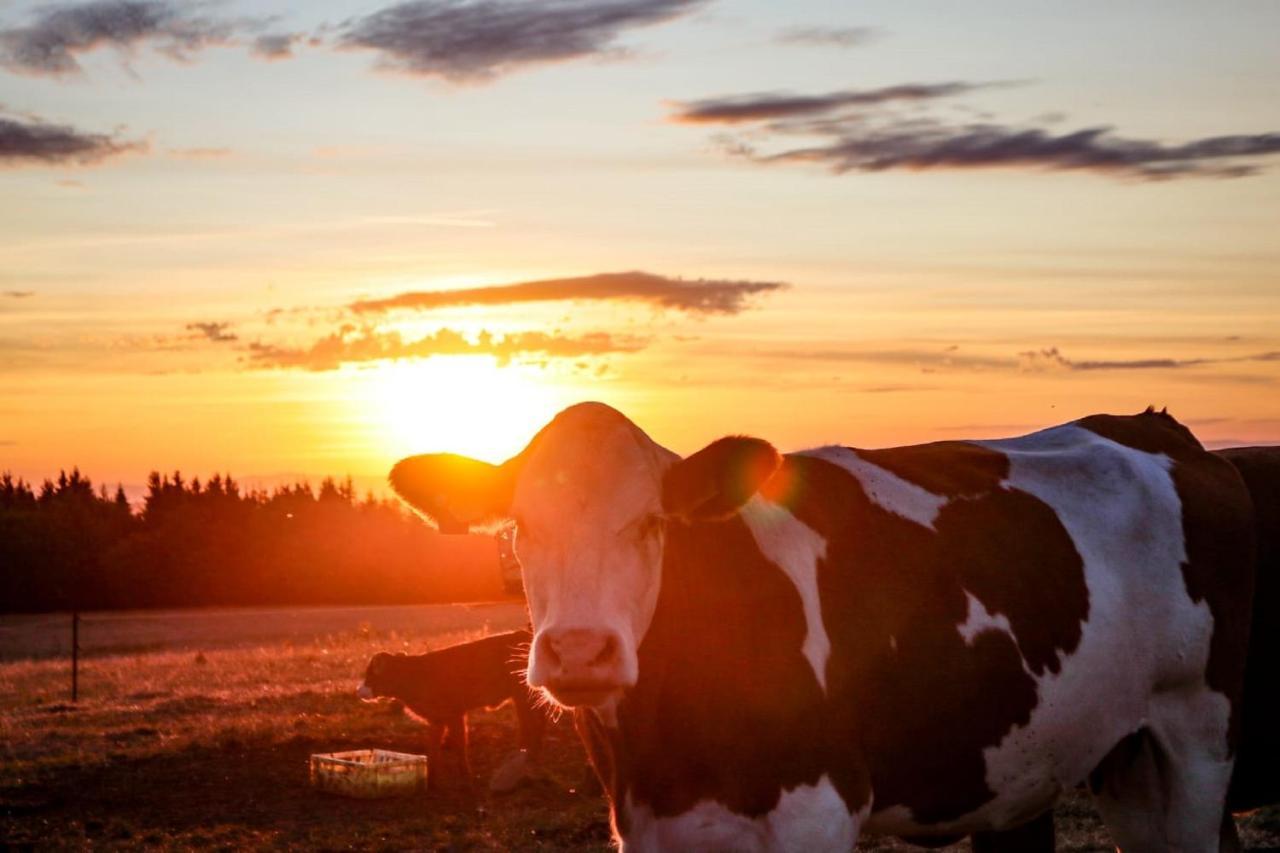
[
  {"x": 547, "y": 648},
  {"x": 608, "y": 651}
]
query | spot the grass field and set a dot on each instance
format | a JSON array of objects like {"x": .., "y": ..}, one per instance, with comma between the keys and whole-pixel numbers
[{"x": 186, "y": 736}]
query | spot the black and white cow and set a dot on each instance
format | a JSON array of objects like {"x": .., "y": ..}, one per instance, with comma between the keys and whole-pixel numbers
[{"x": 782, "y": 653}]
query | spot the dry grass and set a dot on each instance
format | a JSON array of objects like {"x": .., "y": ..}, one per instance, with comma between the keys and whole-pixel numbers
[{"x": 209, "y": 749}]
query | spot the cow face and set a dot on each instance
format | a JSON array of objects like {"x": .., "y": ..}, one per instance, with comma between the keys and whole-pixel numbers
[
  {"x": 376, "y": 677},
  {"x": 591, "y": 497}
]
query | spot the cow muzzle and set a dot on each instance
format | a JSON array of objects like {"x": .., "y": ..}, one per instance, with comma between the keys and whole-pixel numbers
[{"x": 579, "y": 667}]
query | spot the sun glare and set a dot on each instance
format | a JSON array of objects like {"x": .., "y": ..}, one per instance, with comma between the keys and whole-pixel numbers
[{"x": 461, "y": 404}]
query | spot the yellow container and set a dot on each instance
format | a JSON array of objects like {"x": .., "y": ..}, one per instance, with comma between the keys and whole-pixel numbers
[{"x": 369, "y": 773}]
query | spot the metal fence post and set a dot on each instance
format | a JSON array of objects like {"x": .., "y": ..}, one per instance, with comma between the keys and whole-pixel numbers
[{"x": 75, "y": 655}]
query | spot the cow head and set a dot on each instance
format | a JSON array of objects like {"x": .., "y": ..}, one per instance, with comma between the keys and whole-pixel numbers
[
  {"x": 591, "y": 496},
  {"x": 377, "y": 677}
]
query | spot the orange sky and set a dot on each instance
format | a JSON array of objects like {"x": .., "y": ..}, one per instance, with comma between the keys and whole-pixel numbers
[{"x": 874, "y": 225}]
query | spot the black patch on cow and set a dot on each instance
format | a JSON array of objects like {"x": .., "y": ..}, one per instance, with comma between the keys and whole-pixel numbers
[
  {"x": 1217, "y": 525},
  {"x": 948, "y": 468},
  {"x": 727, "y": 707},
  {"x": 1255, "y": 782},
  {"x": 921, "y": 702}
]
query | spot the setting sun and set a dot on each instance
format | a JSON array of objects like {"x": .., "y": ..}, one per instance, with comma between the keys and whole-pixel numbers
[{"x": 460, "y": 404}]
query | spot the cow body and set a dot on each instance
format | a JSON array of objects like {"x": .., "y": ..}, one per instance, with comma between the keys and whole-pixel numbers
[
  {"x": 440, "y": 687},
  {"x": 922, "y": 641}
]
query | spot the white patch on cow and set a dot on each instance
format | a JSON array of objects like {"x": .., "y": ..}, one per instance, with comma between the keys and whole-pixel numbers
[
  {"x": 980, "y": 619},
  {"x": 796, "y": 548},
  {"x": 885, "y": 488},
  {"x": 1145, "y": 643},
  {"x": 812, "y": 817},
  {"x": 806, "y": 818}
]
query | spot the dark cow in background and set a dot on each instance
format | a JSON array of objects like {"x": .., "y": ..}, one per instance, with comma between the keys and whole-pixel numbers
[
  {"x": 781, "y": 653},
  {"x": 440, "y": 687},
  {"x": 1257, "y": 774}
]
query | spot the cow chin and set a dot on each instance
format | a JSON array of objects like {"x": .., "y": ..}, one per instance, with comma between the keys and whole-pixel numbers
[{"x": 582, "y": 694}]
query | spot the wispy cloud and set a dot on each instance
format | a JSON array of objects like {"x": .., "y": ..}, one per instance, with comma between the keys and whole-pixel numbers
[
  {"x": 1044, "y": 360},
  {"x": 699, "y": 296},
  {"x": 350, "y": 345},
  {"x": 215, "y": 332},
  {"x": 479, "y": 40},
  {"x": 31, "y": 140},
  {"x": 200, "y": 153},
  {"x": 859, "y": 131},
  {"x": 17, "y": 294},
  {"x": 926, "y": 146},
  {"x": 1051, "y": 358},
  {"x": 51, "y": 42},
  {"x": 766, "y": 106},
  {"x": 827, "y": 36}
]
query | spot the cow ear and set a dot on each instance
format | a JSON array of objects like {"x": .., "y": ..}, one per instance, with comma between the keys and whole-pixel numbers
[
  {"x": 716, "y": 481},
  {"x": 454, "y": 491}
]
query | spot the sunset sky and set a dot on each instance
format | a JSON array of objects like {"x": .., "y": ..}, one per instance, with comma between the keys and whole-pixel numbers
[{"x": 307, "y": 239}]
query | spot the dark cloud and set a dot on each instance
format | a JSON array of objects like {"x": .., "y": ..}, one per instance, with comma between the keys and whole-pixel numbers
[
  {"x": 350, "y": 344},
  {"x": 57, "y": 34},
  {"x": 828, "y": 36},
  {"x": 216, "y": 332},
  {"x": 51, "y": 42},
  {"x": 274, "y": 46},
  {"x": 922, "y": 146},
  {"x": 768, "y": 106},
  {"x": 698, "y": 297},
  {"x": 18, "y": 294},
  {"x": 857, "y": 131},
  {"x": 33, "y": 140},
  {"x": 1051, "y": 358},
  {"x": 478, "y": 40}
]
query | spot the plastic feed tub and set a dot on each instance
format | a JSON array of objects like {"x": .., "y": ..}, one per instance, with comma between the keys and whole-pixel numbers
[{"x": 369, "y": 773}]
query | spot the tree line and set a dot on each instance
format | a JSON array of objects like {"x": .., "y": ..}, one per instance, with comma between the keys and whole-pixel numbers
[{"x": 67, "y": 545}]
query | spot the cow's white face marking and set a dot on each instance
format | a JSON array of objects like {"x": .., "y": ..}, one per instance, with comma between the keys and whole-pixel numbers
[
  {"x": 806, "y": 818},
  {"x": 885, "y": 488},
  {"x": 589, "y": 537},
  {"x": 796, "y": 548}
]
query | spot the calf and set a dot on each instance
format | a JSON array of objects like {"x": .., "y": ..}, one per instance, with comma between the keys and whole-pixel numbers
[{"x": 440, "y": 687}]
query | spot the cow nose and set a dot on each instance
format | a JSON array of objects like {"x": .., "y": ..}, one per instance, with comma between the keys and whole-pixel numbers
[{"x": 581, "y": 655}]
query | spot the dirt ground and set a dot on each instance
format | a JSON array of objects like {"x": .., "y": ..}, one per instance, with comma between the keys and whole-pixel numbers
[{"x": 209, "y": 749}]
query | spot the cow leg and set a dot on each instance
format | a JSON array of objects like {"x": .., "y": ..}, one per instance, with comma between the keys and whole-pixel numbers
[
  {"x": 462, "y": 739},
  {"x": 1035, "y": 836},
  {"x": 455, "y": 746},
  {"x": 435, "y": 754},
  {"x": 533, "y": 727},
  {"x": 1165, "y": 788}
]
